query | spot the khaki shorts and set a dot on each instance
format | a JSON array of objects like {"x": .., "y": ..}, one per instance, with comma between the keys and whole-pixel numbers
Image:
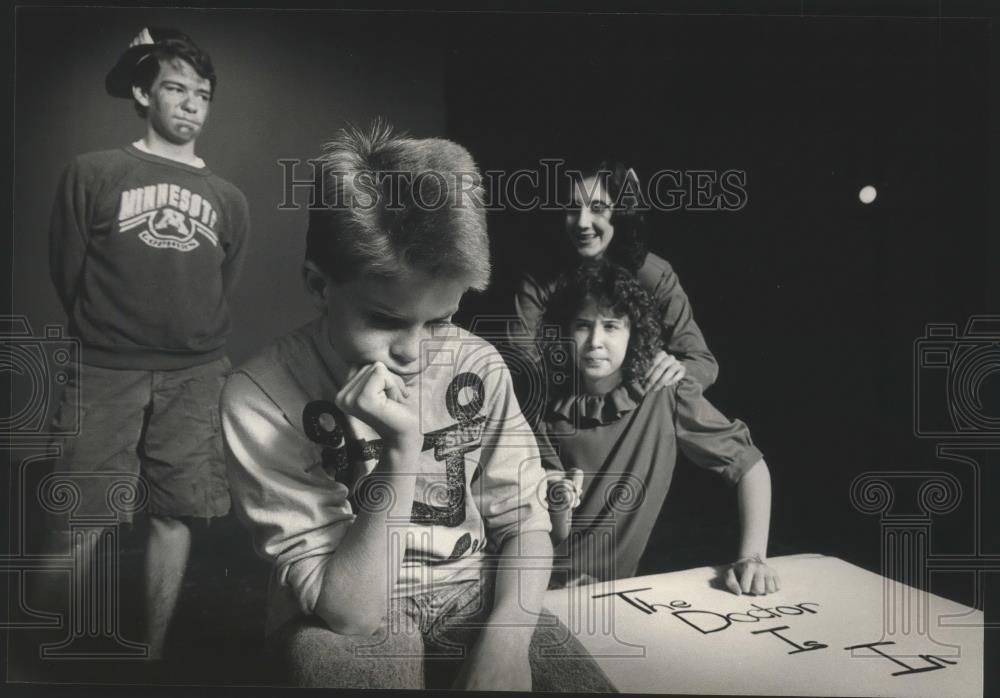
[{"x": 149, "y": 440}]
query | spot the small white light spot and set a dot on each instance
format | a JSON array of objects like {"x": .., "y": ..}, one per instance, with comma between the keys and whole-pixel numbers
[{"x": 867, "y": 194}]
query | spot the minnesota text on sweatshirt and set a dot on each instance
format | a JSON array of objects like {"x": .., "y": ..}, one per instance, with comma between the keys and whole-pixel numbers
[{"x": 143, "y": 251}]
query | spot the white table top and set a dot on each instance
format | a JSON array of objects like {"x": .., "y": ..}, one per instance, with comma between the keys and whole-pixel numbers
[{"x": 676, "y": 633}]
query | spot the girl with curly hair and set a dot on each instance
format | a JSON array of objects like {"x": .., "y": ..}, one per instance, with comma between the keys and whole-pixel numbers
[
  {"x": 616, "y": 441},
  {"x": 604, "y": 220}
]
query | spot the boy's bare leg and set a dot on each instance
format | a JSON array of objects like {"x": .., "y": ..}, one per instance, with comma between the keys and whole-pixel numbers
[
  {"x": 167, "y": 552},
  {"x": 53, "y": 582},
  {"x": 51, "y": 592}
]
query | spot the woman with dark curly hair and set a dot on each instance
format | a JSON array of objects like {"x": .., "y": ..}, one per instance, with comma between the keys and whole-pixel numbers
[
  {"x": 617, "y": 441},
  {"x": 604, "y": 221}
]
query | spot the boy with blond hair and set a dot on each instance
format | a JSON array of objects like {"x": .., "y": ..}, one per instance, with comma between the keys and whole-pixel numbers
[{"x": 379, "y": 455}]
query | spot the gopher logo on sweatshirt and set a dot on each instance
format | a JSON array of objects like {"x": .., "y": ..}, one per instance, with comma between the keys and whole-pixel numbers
[{"x": 167, "y": 216}]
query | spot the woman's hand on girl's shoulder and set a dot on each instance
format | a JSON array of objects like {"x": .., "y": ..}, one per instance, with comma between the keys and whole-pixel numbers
[
  {"x": 565, "y": 489},
  {"x": 664, "y": 371}
]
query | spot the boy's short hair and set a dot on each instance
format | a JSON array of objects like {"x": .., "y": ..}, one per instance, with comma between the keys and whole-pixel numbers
[
  {"x": 389, "y": 203},
  {"x": 172, "y": 47}
]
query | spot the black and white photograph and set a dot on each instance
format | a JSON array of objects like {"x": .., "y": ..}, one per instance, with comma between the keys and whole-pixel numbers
[{"x": 642, "y": 349}]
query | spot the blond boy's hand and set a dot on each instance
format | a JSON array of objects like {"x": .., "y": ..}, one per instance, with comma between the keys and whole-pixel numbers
[
  {"x": 379, "y": 398},
  {"x": 565, "y": 489},
  {"x": 752, "y": 575},
  {"x": 561, "y": 492}
]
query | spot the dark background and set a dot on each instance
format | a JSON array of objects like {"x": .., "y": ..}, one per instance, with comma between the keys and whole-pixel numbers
[{"x": 811, "y": 301}]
